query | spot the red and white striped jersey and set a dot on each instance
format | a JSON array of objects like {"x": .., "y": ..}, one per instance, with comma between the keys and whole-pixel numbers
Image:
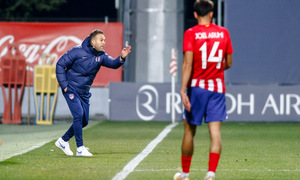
[{"x": 209, "y": 44}]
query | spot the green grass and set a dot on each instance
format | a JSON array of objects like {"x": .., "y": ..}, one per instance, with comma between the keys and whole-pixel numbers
[{"x": 250, "y": 151}]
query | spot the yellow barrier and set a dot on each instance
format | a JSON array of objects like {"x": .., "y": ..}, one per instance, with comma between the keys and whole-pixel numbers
[{"x": 45, "y": 84}]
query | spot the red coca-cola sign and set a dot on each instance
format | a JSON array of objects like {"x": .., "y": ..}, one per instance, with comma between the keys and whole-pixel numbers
[{"x": 45, "y": 43}]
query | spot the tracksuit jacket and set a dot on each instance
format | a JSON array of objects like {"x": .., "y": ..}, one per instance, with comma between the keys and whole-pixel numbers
[{"x": 78, "y": 67}]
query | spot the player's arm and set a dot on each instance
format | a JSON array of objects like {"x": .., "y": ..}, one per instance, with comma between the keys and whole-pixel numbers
[
  {"x": 228, "y": 52},
  {"x": 228, "y": 61},
  {"x": 185, "y": 77}
]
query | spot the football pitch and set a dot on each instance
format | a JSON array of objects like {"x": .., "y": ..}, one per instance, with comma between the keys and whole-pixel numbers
[{"x": 250, "y": 151}]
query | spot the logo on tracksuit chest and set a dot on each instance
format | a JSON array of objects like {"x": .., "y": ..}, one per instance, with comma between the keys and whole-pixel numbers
[{"x": 97, "y": 59}]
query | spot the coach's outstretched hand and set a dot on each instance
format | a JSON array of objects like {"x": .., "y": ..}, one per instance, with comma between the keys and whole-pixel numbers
[{"x": 125, "y": 52}]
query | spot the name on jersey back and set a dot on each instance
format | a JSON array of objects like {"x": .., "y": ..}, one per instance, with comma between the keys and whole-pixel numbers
[{"x": 211, "y": 35}]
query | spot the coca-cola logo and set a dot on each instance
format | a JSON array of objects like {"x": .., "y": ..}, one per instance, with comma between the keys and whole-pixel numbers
[{"x": 33, "y": 51}]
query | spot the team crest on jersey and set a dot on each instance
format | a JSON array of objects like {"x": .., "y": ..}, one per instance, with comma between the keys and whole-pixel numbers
[
  {"x": 97, "y": 59},
  {"x": 71, "y": 96}
]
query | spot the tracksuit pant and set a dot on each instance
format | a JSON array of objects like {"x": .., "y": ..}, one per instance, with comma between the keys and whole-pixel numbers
[{"x": 79, "y": 107}]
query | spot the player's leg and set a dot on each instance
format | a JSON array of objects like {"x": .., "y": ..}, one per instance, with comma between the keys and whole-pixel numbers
[
  {"x": 198, "y": 101},
  {"x": 187, "y": 147},
  {"x": 215, "y": 136},
  {"x": 216, "y": 113},
  {"x": 215, "y": 148},
  {"x": 187, "y": 150}
]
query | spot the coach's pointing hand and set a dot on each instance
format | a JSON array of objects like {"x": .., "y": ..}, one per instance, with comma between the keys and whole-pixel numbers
[{"x": 125, "y": 52}]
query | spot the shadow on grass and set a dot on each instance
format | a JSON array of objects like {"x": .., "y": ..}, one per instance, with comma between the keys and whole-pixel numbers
[{"x": 7, "y": 163}]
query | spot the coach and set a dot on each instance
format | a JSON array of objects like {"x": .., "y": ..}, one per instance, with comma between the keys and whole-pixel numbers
[{"x": 75, "y": 72}]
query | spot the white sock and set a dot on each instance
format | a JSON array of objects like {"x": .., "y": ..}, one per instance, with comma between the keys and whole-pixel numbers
[
  {"x": 210, "y": 173},
  {"x": 183, "y": 175}
]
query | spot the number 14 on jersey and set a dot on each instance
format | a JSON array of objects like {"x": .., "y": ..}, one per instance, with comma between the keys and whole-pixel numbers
[{"x": 211, "y": 57}]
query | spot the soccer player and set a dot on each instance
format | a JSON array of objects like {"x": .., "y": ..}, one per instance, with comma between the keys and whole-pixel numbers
[
  {"x": 75, "y": 72},
  {"x": 207, "y": 53}
]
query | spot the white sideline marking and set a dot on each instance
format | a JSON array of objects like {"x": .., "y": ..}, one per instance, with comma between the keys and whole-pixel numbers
[
  {"x": 134, "y": 162},
  {"x": 204, "y": 170},
  {"x": 29, "y": 149}
]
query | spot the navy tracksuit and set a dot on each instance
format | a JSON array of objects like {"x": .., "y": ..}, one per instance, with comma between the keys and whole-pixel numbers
[{"x": 76, "y": 70}]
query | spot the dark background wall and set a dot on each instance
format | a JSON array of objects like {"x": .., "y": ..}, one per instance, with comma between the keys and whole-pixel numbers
[
  {"x": 78, "y": 10},
  {"x": 265, "y": 37}
]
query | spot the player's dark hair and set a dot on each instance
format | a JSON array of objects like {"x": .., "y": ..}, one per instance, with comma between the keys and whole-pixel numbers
[
  {"x": 95, "y": 33},
  {"x": 203, "y": 7}
]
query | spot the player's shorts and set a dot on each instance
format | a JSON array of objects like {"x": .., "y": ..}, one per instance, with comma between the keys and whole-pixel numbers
[{"x": 206, "y": 105}]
